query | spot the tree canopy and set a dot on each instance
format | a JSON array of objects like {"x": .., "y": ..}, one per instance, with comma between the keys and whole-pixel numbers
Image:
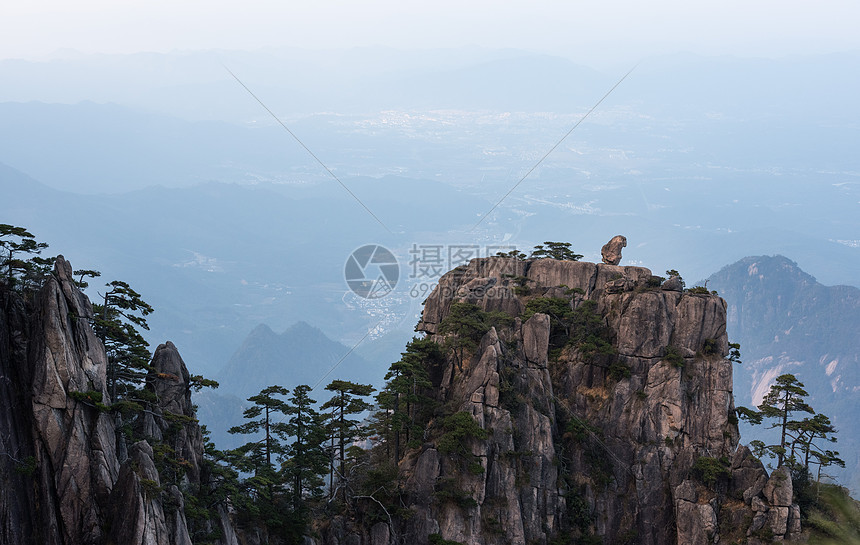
[
  {"x": 556, "y": 250},
  {"x": 347, "y": 401},
  {"x": 116, "y": 322},
  {"x": 15, "y": 244},
  {"x": 800, "y": 443}
]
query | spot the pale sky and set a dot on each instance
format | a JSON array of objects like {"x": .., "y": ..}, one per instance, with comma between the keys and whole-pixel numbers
[{"x": 623, "y": 29}]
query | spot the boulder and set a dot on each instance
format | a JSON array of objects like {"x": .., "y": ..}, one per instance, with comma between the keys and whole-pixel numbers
[
  {"x": 611, "y": 251},
  {"x": 674, "y": 283},
  {"x": 778, "y": 489}
]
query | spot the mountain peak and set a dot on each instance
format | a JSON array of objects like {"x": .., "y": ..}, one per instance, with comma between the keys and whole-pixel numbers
[
  {"x": 262, "y": 330},
  {"x": 303, "y": 328},
  {"x": 775, "y": 267},
  {"x": 788, "y": 322},
  {"x": 300, "y": 355}
]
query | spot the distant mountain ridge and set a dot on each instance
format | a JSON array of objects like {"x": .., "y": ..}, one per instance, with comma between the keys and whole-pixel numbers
[
  {"x": 302, "y": 354},
  {"x": 787, "y": 322}
]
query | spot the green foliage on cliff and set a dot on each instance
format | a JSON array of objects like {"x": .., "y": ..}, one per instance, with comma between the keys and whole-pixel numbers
[
  {"x": 406, "y": 401},
  {"x": 711, "y": 470},
  {"x": 91, "y": 398},
  {"x": 561, "y": 316},
  {"x": 674, "y": 356},
  {"x": 437, "y": 539},
  {"x": 27, "y": 466},
  {"x": 458, "y": 428},
  {"x": 582, "y": 327},
  {"x": 655, "y": 281},
  {"x": 578, "y": 430},
  {"x": 671, "y": 273},
  {"x": 466, "y": 324},
  {"x": 448, "y": 490},
  {"x": 699, "y": 290},
  {"x": 116, "y": 322},
  {"x": 555, "y": 250},
  {"x": 619, "y": 371},
  {"x": 513, "y": 254}
]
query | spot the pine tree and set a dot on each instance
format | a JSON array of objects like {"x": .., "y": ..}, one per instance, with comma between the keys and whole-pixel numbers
[
  {"x": 555, "y": 250},
  {"x": 514, "y": 254},
  {"x": 806, "y": 434},
  {"x": 465, "y": 325},
  {"x": 347, "y": 401},
  {"x": 116, "y": 321},
  {"x": 266, "y": 406},
  {"x": 785, "y": 398},
  {"x": 305, "y": 458},
  {"x": 262, "y": 496},
  {"x": 15, "y": 242},
  {"x": 287, "y": 462},
  {"x": 406, "y": 407},
  {"x": 85, "y": 273}
]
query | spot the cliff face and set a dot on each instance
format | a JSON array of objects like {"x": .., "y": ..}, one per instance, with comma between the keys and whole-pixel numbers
[
  {"x": 61, "y": 454},
  {"x": 605, "y": 398},
  {"x": 63, "y": 480},
  {"x": 635, "y": 444}
]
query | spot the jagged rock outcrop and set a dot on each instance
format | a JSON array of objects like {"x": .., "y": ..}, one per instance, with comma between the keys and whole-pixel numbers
[
  {"x": 137, "y": 513},
  {"x": 147, "y": 510},
  {"x": 173, "y": 420},
  {"x": 611, "y": 251},
  {"x": 616, "y": 443},
  {"x": 50, "y": 351},
  {"x": 62, "y": 480}
]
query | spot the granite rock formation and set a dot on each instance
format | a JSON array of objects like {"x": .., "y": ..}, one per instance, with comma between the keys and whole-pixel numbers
[
  {"x": 609, "y": 416},
  {"x": 64, "y": 481},
  {"x": 611, "y": 251},
  {"x": 637, "y": 444}
]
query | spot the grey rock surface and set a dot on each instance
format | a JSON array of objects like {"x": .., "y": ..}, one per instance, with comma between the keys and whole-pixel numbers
[
  {"x": 673, "y": 283},
  {"x": 565, "y": 430}
]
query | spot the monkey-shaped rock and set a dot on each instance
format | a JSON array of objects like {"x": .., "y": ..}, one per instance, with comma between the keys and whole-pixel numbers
[{"x": 611, "y": 251}]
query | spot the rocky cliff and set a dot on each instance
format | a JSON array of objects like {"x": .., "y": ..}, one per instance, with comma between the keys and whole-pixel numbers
[
  {"x": 608, "y": 415},
  {"x": 593, "y": 405},
  {"x": 64, "y": 481}
]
